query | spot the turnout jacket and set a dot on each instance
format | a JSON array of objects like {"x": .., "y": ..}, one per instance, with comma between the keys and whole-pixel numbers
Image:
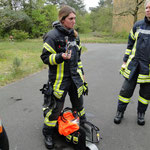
[
  {"x": 56, "y": 42},
  {"x": 137, "y": 55}
]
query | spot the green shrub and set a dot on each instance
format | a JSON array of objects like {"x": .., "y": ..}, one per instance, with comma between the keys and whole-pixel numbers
[{"x": 19, "y": 35}]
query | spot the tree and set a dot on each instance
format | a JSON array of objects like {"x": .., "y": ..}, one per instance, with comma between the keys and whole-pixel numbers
[
  {"x": 101, "y": 16},
  {"x": 10, "y": 19},
  {"x": 78, "y": 5},
  {"x": 105, "y": 3},
  {"x": 83, "y": 23},
  {"x": 129, "y": 8}
]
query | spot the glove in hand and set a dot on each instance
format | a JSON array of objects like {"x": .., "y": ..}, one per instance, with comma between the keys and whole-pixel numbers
[{"x": 85, "y": 88}]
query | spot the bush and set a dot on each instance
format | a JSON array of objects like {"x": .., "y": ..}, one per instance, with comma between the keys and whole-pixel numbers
[
  {"x": 19, "y": 35},
  {"x": 16, "y": 68}
]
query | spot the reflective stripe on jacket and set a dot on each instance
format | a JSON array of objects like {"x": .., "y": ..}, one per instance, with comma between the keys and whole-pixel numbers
[
  {"x": 137, "y": 54},
  {"x": 59, "y": 69}
]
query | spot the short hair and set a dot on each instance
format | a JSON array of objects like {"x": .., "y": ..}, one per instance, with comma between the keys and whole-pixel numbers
[
  {"x": 146, "y": 2},
  {"x": 65, "y": 11}
]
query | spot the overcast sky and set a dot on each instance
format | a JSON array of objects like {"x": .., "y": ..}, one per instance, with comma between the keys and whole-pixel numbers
[{"x": 90, "y": 3}]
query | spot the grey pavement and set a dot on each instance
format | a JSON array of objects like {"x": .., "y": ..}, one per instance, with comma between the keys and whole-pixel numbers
[{"x": 21, "y": 105}]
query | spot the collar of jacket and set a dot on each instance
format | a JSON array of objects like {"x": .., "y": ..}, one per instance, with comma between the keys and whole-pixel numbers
[
  {"x": 146, "y": 20},
  {"x": 62, "y": 29}
]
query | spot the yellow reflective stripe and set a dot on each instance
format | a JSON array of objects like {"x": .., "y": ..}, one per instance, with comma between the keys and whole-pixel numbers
[
  {"x": 52, "y": 59},
  {"x": 75, "y": 139},
  {"x": 59, "y": 77},
  {"x": 80, "y": 91},
  {"x": 125, "y": 73},
  {"x": 45, "y": 108},
  {"x": 49, "y": 113},
  {"x": 143, "y": 101},
  {"x": 49, "y": 48},
  {"x": 79, "y": 47},
  {"x": 82, "y": 112},
  {"x": 69, "y": 137},
  {"x": 58, "y": 93},
  {"x": 123, "y": 99},
  {"x": 136, "y": 35},
  {"x": 128, "y": 52},
  {"x": 50, "y": 123},
  {"x": 80, "y": 73},
  {"x": 143, "y": 78},
  {"x": 80, "y": 65},
  {"x": 132, "y": 34}
]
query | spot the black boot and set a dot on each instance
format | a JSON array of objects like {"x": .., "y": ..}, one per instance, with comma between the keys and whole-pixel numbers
[
  {"x": 118, "y": 117},
  {"x": 83, "y": 120},
  {"x": 48, "y": 136},
  {"x": 49, "y": 143},
  {"x": 140, "y": 118}
]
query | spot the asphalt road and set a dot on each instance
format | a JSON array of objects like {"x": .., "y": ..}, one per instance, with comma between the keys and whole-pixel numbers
[{"x": 21, "y": 105}]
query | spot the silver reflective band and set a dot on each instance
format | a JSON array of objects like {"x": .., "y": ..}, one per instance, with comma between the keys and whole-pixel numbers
[
  {"x": 143, "y": 31},
  {"x": 73, "y": 43}
]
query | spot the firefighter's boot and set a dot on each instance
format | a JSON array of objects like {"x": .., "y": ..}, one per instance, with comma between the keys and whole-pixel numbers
[
  {"x": 49, "y": 143},
  {"x": 118, "y": 117},
  {"x": 140, "y": 118},
  {"x": 83, "y": 120},
  {"x": 48, "y": 136}
]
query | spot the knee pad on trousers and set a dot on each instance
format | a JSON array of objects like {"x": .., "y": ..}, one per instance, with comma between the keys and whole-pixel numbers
[
  {"x": 126, "y": 93},
  {"x": 47, "y": 130}
]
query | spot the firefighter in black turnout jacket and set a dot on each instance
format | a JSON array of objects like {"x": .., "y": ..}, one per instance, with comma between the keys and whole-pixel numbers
[
  {"x": 61, "y": 53},
  {"x": 136, "y": 68}
]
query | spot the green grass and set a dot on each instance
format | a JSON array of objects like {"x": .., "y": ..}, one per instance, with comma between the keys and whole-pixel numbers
[
  {"x": 102, "y": 38},
  {"x": 19, "y": 59},
  {"x": 27, "y": 53}
]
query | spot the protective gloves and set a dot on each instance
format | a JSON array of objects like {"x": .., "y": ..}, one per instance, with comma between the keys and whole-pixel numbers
[{"x": 85, "y": 88}]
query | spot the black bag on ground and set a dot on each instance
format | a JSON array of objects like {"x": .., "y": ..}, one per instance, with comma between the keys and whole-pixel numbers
[{"x": 88, "y": 132}]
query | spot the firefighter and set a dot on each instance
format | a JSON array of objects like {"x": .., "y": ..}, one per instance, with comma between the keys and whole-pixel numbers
[
  {"x": 136, "y": 69},
  {"x": 61, "y": 52}
]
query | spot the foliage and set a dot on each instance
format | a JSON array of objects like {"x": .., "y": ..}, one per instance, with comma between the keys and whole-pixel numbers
[
  {"x": 19, "y": 59},
  {"x": 16, "y": 66},
  {"x": 39, "y": 23},
  {"x": 43, "y": 19},
  {"x": 101, "y": 19},
  {"x": 129, "y": 8},
  {"x": 36, "y": 16},
  {"x": 51, "y": 13},
  {"x": 10, "y": 19},
  {"x": 123, "y": 34},
  {"x": 19, "y": 35},
  {"x": 83, "y": 23}
]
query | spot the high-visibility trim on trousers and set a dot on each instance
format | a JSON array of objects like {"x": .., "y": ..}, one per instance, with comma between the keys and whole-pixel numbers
[
  {"x": 124, "y": 99},
  {"x": 143, "y": 100}
]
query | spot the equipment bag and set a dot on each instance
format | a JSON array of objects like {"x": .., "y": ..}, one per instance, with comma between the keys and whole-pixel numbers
[
  {"x": 80, "y": 136},
  {"x": 68, "y": 122},
  {"x": 92, "y": 132}
]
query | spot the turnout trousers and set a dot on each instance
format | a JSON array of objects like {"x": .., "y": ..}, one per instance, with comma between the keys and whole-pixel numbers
[
  {"x": 127, "y": 91},
  {"x": 52, "y": 115}
]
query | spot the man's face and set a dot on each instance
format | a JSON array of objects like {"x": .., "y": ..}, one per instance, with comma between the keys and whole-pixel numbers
[
  {"x": 147, "y": 10},
  {"x": 69, "y": 21}
]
